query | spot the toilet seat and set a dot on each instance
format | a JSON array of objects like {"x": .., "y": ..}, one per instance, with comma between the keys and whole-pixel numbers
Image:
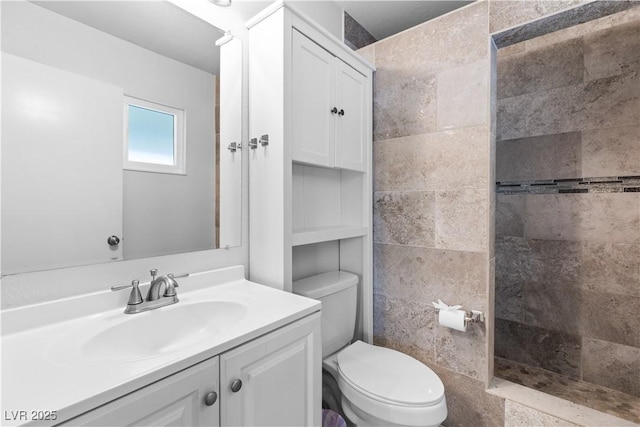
[{"x": 390, "y": 385}]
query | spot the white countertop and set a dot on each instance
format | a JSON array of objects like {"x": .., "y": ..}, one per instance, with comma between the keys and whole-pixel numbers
[{"x": 42, "y": 369}]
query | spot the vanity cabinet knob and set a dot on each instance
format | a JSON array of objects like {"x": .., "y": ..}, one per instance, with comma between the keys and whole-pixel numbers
[
  {"x": 113, "y": 240},
  {"x": 236, "y": 386},
  {"x": 210, "y": 398},
  {"x": 334, "y": 110},
  {"x": 341, "y": 112}
]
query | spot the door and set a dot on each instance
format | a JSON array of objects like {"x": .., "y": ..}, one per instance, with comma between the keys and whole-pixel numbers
[
  {"x": 313, "y": 103},
  {"x": 188, "y": 398},
  {"x": 52, "y": 219},
  {"x": 350, "y": 124},
  {"x": 275, "y": 380}
]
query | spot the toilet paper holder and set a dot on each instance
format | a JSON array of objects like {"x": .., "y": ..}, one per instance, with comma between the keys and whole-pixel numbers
[
  {"x": 470, "y": 316},
  {"x": 474, "y": 316}
]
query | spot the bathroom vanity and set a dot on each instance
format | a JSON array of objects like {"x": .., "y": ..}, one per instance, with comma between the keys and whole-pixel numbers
[{"x": 231, "y": 352}]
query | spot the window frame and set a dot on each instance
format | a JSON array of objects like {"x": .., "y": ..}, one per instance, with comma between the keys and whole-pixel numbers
[{"x": 179, "y": 139}]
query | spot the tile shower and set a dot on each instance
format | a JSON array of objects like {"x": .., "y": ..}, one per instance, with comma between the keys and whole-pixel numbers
[
  {"x": 433, "y": 149},
  {"x": 568, "y": 214}
]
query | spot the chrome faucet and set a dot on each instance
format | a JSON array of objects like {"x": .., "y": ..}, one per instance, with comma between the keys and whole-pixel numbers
[
  {"x": 157, "y": 284},
  {"x": 156, "y": 298}
]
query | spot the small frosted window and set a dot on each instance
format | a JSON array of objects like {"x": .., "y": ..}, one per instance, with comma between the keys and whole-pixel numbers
[
  {"x": 151, "y": 136},
  {"x": 153, "y": 139}
]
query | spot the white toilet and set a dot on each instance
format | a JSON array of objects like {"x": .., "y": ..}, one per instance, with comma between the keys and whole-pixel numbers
[{"x": 371, "y": 386}]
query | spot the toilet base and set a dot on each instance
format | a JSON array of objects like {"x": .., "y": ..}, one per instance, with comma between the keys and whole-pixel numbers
[
  {"x": 331, "y": 395},
  {"x": 357, "y": 418}
]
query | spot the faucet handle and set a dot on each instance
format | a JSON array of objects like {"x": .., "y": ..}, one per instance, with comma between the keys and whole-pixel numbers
[
  {"x": 120, "y": 287},
  {"x": 171, "y": 284},
  {"x": 170, "y": 290},
  {"x": 135, "y": 297},
  {"x": 177, "y": 276}
]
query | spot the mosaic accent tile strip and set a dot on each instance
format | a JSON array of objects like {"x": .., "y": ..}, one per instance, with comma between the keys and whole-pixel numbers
[{"x": 611, "y": 184}]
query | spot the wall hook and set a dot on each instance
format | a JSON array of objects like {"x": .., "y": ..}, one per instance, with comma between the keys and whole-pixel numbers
[{"x": 234, "y": 146}]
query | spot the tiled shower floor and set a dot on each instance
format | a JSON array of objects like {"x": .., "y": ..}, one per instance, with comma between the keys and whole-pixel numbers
[{"x": 594, "y": 396}]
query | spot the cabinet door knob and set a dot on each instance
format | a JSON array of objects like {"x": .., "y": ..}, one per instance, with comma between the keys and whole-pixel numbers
[
  {"x": 210, "y": 398},
  {"x": 334, "y": 110},
  {"x": 236, "y": 386},
  {"x": 113, "y": 240},
  {"x": 341, "y": 112}
]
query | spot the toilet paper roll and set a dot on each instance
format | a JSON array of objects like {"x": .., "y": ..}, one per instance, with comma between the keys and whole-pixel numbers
[{"x": 453, "y": 319}]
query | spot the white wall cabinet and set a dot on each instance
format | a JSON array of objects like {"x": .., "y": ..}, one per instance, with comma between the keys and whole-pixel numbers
[
  {"x": 328, "y": 108},
  {"x": 274, "y": 380},
  {"x": 351, "y": 126},
  {"x": 310, "y": 187}
]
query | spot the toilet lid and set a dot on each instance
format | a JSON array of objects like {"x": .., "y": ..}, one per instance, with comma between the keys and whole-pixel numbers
[{"x": 389, "y": 375}]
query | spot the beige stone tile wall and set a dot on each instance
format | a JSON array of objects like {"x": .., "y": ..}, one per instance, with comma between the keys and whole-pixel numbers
[
  {"x": 435, "y": 167},
  {"x": 355, "y": 35},
  {"x": 510, "y": 13},
  {"x": 517, "y": 415},
  {"x": 568, "y": 265},
  {"x": 572, "y": 104},
  {"x": 433, "y": 201},
  {"x": 576, "y": 31}
]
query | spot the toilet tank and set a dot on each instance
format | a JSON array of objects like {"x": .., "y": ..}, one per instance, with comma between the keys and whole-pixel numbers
[{"x": 338, "y": 292}]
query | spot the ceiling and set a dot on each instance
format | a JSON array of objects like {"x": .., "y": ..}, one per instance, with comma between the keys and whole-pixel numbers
[
  {"x": 383, "y": 18},
  {"x": 172, "y": 32},
  {"x": 175, "y": 33}
]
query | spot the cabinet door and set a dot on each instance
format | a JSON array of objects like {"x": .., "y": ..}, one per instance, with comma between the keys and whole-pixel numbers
[
  {"x": 277, "y": 378},
  {"x": 351, "y": 96},
  {"x": 313, "y": 98},
  {"x": 178, "y": 400},
  {"x": 54, "y": 132}
]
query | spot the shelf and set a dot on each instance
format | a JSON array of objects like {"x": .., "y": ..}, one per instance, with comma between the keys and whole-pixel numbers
[
  {"x": 325, "y": 234},
  {"x": 333, "y": 168}
]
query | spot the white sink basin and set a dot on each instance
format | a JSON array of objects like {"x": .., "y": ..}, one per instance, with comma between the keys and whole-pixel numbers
[{"x": 156, "y": 332}]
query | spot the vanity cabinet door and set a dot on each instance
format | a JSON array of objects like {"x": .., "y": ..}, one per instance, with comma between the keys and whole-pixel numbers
[
  {"x": 274, "y": 380},
  {"x": 182, "y": 399}
]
